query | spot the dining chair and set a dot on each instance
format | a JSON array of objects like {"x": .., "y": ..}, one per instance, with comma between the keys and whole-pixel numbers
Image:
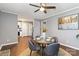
[
  {"x": 52, "y": 49},
  {"x": 54, "y": 40},
  {"x": 33, "y": 46}
]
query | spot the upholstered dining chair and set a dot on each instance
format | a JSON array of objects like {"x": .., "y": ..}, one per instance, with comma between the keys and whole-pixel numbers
[
  {"x": 52, "y": 49},
  {"x": 55, "y": 39},
  {"x": 33, "y": 46}
]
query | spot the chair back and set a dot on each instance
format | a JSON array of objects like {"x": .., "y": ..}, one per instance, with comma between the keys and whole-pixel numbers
[
  {"x": 54, "y": 40},
  {"x": 52, "y": 49},
  {"x": 31, "y": 45}
]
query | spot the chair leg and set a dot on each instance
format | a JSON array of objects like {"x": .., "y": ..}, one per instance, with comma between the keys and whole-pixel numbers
[{"x": 30, "y": 52}]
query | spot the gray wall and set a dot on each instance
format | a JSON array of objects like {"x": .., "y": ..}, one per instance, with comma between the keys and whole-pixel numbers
[
  {"x": 67, "y": 37},
  {"x": 8, "y": 28}
]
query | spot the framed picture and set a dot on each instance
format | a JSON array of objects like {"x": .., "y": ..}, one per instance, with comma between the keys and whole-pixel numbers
[{"x": 70, "y": 22}]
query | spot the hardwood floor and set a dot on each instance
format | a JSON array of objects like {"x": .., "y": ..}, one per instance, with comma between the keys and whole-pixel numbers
[
  {"x": 21, "y": 46},
  {"x": 27, "y": 53}
]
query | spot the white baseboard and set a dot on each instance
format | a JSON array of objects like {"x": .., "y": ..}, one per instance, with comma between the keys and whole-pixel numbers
[
  {"x": 7, "y": 44},
  {"x": 69, "y": 46}
]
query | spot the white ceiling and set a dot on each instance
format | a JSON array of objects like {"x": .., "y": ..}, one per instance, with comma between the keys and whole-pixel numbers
[{"x": 26, "y": 11}]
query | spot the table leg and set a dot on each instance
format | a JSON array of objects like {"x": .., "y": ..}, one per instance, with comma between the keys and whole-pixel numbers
[{"x": 42, "y": 50}]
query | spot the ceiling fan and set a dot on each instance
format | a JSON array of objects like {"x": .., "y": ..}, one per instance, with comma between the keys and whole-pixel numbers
[{"x": 43, "y": 7}]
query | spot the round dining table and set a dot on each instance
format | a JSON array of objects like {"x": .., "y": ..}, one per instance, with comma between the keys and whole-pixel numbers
[{"x": 43, "y": 44}]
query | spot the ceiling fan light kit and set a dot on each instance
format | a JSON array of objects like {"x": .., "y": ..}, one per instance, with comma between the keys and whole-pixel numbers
[{"x": 43, "y": 7}]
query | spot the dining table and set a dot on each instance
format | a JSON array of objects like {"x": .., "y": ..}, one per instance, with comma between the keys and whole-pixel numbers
[{"x": 43, "y": 43}]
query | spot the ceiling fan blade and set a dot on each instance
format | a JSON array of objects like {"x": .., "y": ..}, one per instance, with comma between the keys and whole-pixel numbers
[
  {"x": 34, "y": 5},
  {"x": 37, "y": 10},
  {"x": 45, "y": 11},
  {"x": 50, "y": 7}
]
